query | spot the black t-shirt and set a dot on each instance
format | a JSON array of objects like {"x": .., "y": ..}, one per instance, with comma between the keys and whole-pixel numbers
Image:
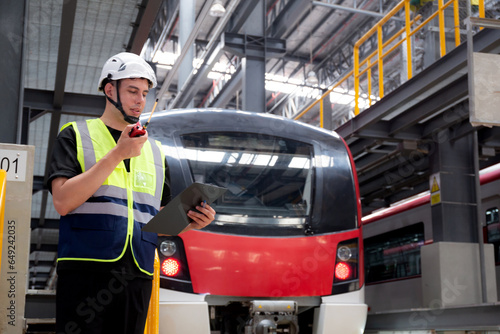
[{"x": 64, "y": 163}]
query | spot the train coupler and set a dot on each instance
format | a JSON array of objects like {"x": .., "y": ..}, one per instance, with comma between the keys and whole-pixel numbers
[{"x": 272, "y": 317}]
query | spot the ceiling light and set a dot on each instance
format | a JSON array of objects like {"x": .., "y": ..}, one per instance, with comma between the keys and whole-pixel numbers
[
  {"x": 217, "y": 9},
  {"x": 312, "y": 79}
]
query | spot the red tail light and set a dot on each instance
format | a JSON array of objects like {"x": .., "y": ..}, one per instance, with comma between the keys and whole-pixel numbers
[
  {"x": 342, "y": 271},
  {"x": 170, "y": 267}
]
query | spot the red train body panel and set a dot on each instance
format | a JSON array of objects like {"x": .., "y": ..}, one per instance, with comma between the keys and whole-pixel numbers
[{"x": 232, "y": 265}]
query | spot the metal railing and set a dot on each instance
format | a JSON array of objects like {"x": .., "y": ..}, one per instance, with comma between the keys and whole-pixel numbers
[{"x": 365, "y": 66}]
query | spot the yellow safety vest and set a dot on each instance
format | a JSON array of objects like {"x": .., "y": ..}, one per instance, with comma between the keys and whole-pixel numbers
[{"x": 102, "y": 227}]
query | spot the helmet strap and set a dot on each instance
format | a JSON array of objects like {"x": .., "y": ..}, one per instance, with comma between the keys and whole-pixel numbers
[{"x": 118, "y": 105}]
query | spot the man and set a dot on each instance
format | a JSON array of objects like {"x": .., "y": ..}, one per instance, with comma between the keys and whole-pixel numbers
[{"x": 106, "y": 185}]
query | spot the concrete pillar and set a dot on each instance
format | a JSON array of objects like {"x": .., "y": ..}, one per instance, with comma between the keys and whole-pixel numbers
[
  {"x": 15, "y": 240},
  {"x": 451, "y": 274},
  {"x": 12, "y": 32}
]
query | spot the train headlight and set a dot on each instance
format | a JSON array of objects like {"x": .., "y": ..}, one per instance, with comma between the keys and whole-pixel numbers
[
  {"x": 344, "y": 253},
  {"x": 170, "y": 267},
  {"x": 168, "y": 248}
]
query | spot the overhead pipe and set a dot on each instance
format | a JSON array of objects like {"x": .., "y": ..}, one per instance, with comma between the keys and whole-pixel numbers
[
  {"x": 185, "y": 49},
  {"x": 353, "y": 10},
  {"x": 209, "y": 49},
  {"x": 187, "y": 19},
  {"x": 167, "y": 30}
]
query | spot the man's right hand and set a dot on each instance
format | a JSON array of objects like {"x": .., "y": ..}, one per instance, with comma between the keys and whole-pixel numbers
[{"x": 129, "y": 147}]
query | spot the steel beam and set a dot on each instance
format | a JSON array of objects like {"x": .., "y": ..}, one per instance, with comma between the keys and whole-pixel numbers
[
  {"x": 145, "y": 18},
  {"x": 245, "y": 45},
  {"x": 12, "y": 34},
  {"x": 40, "y": 304},
  {"x": 454, "y": 215},
  {"x": 452, "y": 117},
  {"x": 48, "y": 223},
  {"x": 436, "y": 103},
  {"x": 288, "y": 17},
  {"x": 241, "y": 15},
  {"x": 254, "y": 61},
  {"x": 65, "y": 37},
  {"x": 77, "y": 104}
]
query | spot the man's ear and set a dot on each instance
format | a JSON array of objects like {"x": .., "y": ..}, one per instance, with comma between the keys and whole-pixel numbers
[{"x": 109, "y": 89}]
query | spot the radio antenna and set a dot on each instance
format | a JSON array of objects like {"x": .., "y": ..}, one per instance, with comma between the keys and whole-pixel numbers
[{"x": 152, "y": 111}]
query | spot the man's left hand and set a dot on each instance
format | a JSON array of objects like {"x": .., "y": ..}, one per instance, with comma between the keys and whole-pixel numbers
[{"x": 202, "y": 218}]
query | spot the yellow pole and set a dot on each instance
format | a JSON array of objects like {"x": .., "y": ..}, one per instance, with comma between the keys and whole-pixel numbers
[
  {"x": 408, "y": 39},
  {"x": 356, "y": 79},
  {"x": 153, "y": 319},
  {"x": 380, "y": 63},
  {"x": 321, "y": 113},
  {"x": 3, "y": 185},
  {"x": 369, "y": 78},
  {"x": 456, "y": 22},
  {"x": 481, "y": 9},
  {"x": 442, "y": 38}
]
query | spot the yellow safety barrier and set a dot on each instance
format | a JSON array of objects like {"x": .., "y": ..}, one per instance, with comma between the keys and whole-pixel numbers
[
  {"x": 152, "y": 322},
  {"x": 3, "y": 185},
  {"x": 385, "y": 48}
]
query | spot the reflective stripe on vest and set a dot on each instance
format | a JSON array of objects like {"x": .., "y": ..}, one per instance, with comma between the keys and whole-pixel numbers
[{"x": 119, "y": 208}]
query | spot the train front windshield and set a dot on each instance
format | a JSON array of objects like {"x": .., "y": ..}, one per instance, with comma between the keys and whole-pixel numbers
[
  {"x": 275, "y": 185},
  {"x": 268, "y": 179}
]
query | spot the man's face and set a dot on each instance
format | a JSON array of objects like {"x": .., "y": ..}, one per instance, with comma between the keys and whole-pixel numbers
[{"x": 133, "y": 95}]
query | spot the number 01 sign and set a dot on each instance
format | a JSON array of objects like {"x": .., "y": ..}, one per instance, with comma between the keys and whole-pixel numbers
[{"x": 14, "y": 163}]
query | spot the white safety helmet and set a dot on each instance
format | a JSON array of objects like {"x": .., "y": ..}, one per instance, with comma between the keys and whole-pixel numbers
[{"x": 126, "y": 65}]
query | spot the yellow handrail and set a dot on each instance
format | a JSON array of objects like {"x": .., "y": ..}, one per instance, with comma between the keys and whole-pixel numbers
[
  {"x": 407, "y": 38},
  {"x": 303, "y": 112},
  {"x": 153, "y": 320},
  {"x": 350, "y": 73},
  {"x": 389, "y": 41},
  {"x": 3, "y": 185},
  {"x": 376, "y": 58}
]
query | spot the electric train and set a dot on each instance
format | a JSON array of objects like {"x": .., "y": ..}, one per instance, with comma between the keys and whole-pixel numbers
[
  {"x": 392, "y": 241},
  {"x": 285, "y": 251}
]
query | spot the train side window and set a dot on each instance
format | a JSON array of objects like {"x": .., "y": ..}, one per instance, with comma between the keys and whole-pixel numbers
[
  {"x": 492, "y": 216},
  {"x": 493, "y": 230},
  {"x": 394, "y": 254}
]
